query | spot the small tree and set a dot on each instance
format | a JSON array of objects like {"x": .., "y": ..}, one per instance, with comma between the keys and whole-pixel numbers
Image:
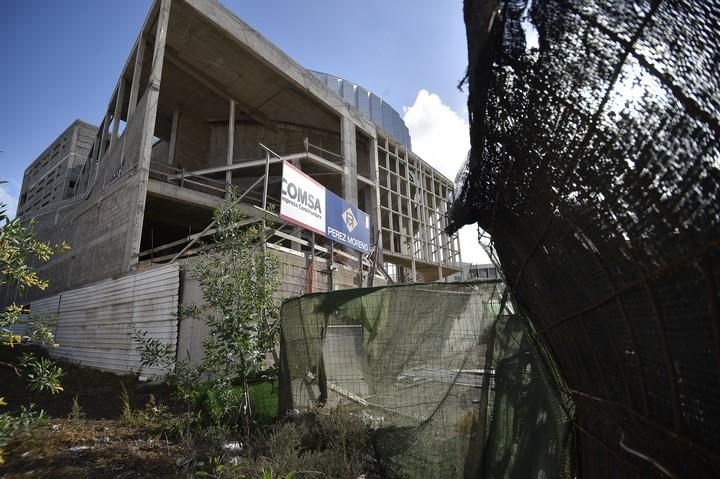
[
  {"x": 18, "y": 247},
  {"x": 238, "y": 278}
]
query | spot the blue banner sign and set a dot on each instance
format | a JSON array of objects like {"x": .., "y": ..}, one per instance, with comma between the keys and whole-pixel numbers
[
  {"x": 346, "y": 224},
  {"x": 305, "y": 202}
]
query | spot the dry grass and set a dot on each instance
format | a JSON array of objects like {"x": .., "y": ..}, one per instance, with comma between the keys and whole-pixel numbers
[
  {"x": 105, "y": 426},
  {"x": 97, "y": 449}
]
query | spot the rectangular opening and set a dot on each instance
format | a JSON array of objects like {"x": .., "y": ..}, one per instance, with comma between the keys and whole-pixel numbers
[
  {"x": 167, "y": 222},
  {"x": 362, "y": 146}
]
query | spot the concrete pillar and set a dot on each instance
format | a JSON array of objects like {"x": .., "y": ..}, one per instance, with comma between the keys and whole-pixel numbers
[
  {"x": 230, "y": 147},
  {"x": 137, "y": 203},
  {"x": 174, "y": 130},
  {"x": 375, "y": 197},
  {"x": 349, "y": 154},
  {"x": 118, "y": 111},
  {"x": 70, "y": 162},
  {"x": 412, "y": 251},
  {"x": 103, "y": 136},
  {"x": 137, "y": 72},
  {"x": 446, "y": 248},
  {"x": 410, "y": 207}
]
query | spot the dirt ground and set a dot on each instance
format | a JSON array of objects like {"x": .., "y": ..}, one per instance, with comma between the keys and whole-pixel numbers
[
  {"x": 98, "y": 444},
  {"x": 104, "y": 438},
  {"x": 97, "y": 449},
  {"x": 98, "y": 393}
]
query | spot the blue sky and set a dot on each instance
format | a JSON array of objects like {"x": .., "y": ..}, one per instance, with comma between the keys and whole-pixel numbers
[{"x": 61, "y": 60}]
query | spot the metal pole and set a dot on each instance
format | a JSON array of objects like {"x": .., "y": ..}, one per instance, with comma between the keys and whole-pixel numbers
[
  {"x": 267, "y": 177},
  {"x": 152, "y": 245},
  {"x": 374, "y": 259},
  {"x": 230, "y": 147},
  {"x": 262, "y": 238},
  {"x": 264, "y": 204},
  {"x": 332, "y": 266},
  {"x": 212, "y": 223}
]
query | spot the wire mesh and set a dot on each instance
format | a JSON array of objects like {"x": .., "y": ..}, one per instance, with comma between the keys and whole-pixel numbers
[
  {"x": 448, "y": 377},
  {"x": 595, "y": 168}
]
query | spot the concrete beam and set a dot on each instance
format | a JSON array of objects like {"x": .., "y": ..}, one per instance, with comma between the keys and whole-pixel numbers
[
  {"x": 174, "y": 129},
  {"x": 137, "y": 73},
  {"x": 365, "y": 180},
  {"x": 253, "y": 163},
  {"x": 103, "y": 136},
  {"x": 230, "y": 147},
  {"x": 137, "y": 203},
  {"x": 182, "y": 195},
  {"x": 413, "y": 268},
  {"x": 118, "y": 112},
  {"x": 375, "y": 201},
  {"x": 218, "y": 89},
  {"x": 278, "y": 60},
  {"x": 349, "y": 154},
  {"x": 316, "y": 159}
]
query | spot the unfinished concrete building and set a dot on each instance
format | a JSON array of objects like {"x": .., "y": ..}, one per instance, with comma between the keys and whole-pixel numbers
[
  {"x": 205, "y": 103},
  {"x": 53, "y": 175},
  {"x": 198, "y": 76}
]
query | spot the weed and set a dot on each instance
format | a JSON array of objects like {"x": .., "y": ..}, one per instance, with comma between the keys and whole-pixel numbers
[
  {"x": 319, "y": 443},
  {"x": 153, "y": 416},
  {"x": 127, "y": 411},
  {"x": 268, "y": 474},
  {"x": 76, "y": 413}
]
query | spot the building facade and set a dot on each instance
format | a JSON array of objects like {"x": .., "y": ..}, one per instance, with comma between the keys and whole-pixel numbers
[
  {"x": 199, "y": 92},
  {"x": 204, "y": 104},
  {"x": 52, "y": 177},
  {"x": 475, "y": 272}
]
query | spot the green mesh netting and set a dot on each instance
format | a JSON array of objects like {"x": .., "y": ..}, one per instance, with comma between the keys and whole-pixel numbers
[{"x": 452, "y": 387}]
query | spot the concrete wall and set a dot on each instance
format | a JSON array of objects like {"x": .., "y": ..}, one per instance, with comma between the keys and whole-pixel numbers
[
  {"x": 95, "y": 223},
  {"x": 192, "y": 146},
  {"x": 96, "y": 230},
  {"x": 200, "y": 145},
  {"x": 293, "y": 275},
  {"x": 52, "y": 176}
]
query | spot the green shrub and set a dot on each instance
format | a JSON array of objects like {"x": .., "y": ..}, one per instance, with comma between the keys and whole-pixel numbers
[
  {"x": 14, "y": 426},
  {"x": 318, "y": 443},
  {"x": 210, "y": 405},
  {"x": 238, "y": 277}
]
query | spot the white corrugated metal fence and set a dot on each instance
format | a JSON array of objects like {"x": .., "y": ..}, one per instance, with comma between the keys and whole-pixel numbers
[{"x": 94, "y": 323}]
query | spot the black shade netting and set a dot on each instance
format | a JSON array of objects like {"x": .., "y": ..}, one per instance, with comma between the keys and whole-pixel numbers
[{"x": 595, "y": 168}]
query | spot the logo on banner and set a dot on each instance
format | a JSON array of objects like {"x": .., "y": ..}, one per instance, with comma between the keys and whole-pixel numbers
[
  {"x": 302, "y": 200},
  {"x": 349, "y": 219},
  {"x": 306, "y": 203}
]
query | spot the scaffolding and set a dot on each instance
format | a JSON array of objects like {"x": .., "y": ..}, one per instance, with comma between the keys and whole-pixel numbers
[{"x": 414, "y": 200}]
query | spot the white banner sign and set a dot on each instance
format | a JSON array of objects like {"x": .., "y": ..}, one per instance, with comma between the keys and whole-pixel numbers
[{"x": 302, "y": 199}]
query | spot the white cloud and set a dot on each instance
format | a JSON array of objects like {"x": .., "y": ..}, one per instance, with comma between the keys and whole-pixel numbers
[
  {"x": 8, "y": 199},
  {"x": 441, "y": 137}
]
